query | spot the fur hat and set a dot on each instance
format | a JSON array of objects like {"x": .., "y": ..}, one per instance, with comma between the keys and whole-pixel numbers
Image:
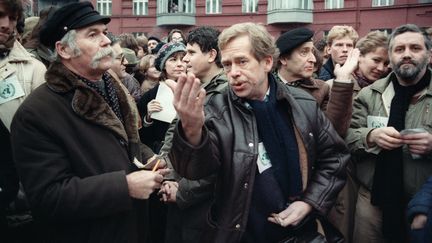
[
  {"x": 71, "y": 16},
  {"x": 166, "y": 51}
]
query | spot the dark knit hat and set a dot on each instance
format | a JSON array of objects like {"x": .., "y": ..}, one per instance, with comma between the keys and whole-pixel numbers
[
  {"x": 290, "y": 40},
  {"x": 153, "y": 38},
  {"x": 71, "y": 16},
  {"x": 166, "y": 51}
]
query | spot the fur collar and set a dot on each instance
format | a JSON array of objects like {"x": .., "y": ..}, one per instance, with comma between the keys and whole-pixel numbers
[{"x": 89, "y": 105}]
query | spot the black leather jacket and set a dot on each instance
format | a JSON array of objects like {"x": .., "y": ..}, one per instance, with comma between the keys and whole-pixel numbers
[{"x": 230, "y": 148}]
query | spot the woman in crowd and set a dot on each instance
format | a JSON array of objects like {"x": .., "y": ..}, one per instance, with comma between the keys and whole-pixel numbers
[
  {"x": 150, "y": 75},
  {"x": 373, "y": 62},
  {"x": 176, "y": 35},
  {"x": 169, "y": 62}
]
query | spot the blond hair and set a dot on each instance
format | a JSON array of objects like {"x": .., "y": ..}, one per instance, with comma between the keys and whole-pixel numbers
[
  {"x": 262, "y": 43},
  {"x": 342, "y": 31}
]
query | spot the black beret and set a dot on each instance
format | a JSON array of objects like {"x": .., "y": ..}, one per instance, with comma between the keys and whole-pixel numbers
[
  {"x": 288, "y": 41},
  {"x": 71, "y": 16}
]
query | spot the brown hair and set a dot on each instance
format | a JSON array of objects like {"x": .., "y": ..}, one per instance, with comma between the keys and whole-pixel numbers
[
  {"x": 372, "y": 41},
  {"x": 262, "y": 43}
]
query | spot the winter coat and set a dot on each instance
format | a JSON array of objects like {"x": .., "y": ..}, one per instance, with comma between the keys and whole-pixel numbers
[
  {"x": 73, "y": 154},
  {"x": 375, "y": 100},
  {"x": 229, "y": 148}
]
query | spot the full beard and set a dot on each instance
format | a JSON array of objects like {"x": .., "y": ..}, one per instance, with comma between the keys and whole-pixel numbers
[
  {"x": 9, "y": 43},
  {"x": 410, "y": 72}
]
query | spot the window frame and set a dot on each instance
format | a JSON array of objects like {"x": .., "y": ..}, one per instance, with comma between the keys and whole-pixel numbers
[
  {"x": 250, "y": 6},
  {"x": 140, "y": 7},
  {"x": 104, "y": 7},
  {"x": 334, "y": 4}
]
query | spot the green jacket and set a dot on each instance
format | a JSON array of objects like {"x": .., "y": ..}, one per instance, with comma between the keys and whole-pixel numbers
[{"x": 375, "y": 100}]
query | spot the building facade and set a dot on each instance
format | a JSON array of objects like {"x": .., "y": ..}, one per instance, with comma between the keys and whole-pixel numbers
[{"x": 158, "y": 17}]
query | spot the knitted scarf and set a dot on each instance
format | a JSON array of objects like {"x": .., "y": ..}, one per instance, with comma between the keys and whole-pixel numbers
[
  {"x": 387, "y": 189},
  {"x": 277, "y": 134},
  {"x": 361, "y": 79}
]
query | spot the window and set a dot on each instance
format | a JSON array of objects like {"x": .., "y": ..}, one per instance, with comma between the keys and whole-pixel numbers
[
  {"x": 250, "y": 6},
  {"x": 379, "y": 3},
  {"x": 175, "y": 6},
  {"x": 425, "y": 1},
  {"x": 104, "y": 7},
  {"x": 140, "y": 7},
  {"x": 298, "y": 4},
  {"x": 330, "y": 4},
  {"x": 213, "y": 6}
]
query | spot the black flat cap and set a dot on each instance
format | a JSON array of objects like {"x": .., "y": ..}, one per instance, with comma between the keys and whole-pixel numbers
[
  {"x": 288, "y": 41},
  {"x": 71, "y": 16}
]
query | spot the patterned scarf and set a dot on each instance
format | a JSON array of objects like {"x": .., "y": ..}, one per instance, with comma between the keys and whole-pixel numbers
[{"x": 109, "y": 94}]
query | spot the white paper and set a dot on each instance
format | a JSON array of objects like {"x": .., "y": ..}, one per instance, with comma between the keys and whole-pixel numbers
[
  {"x": 165, "y": 97},
  {"x": 10, "y": 89},
  {"x": 377, "y": 121},
  {"x": 263, "y": 159}
]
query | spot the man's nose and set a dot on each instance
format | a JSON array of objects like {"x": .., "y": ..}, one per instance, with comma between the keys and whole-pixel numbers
[{"x": 4, "y": 22}]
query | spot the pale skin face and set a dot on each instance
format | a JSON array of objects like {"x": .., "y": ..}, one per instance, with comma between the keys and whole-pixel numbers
[
  {"x": 152, "y": 72},
  {"x": 8, "y": 22},
  {"x": 197, "y": 62},
  {"x": 151, "y": 44},
  {"x": 339, "y": 49},
  {"x": 247, "y": 76},
  {"x": 409, "y": 57},
  {"x": 174, "y": 65},
  {"x": 176, "y": 37},
  {"x": 374, "y": 65},
  {"x": 300, "y": 64},
  {"x": 90, "y": 40},
  {"x": 119, "y": 61}
]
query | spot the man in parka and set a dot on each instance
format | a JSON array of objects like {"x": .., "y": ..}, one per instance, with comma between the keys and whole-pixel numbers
[
  {"x": 20, "y": 74},
  {"x": 276, "y": 155},
  {"x": 392, "y": 160},
  {"x": 75, "y": 139}
]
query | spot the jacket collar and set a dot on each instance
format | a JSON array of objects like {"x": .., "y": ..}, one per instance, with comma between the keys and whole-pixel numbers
[{"x": 91, "y": 106}]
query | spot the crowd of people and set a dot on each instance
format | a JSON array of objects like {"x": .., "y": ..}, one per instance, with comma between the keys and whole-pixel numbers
[{"x": 212, "y": 136}]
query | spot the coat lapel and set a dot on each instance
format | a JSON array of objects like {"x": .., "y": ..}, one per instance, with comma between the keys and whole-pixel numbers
[{"x": 86, "y": 103}]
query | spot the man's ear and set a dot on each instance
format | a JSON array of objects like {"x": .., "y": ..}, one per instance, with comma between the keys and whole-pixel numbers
[
  {"x": 327, "y": 49},
  {"x": 213, "y": 55},
  {"x": 268, "y": 60},
  {"x": 63, "y": 50}
]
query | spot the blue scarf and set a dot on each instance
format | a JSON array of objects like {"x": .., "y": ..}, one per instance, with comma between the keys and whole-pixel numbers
[{"x": 276, "y": 131}]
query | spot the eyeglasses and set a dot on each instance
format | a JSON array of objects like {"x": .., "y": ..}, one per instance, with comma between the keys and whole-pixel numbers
[{"x": 121, "y": 58}]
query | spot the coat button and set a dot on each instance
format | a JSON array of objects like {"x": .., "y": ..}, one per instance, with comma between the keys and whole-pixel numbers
[
  {"x": 310, "y": 135},
  {"x": 251, "y": 145},
  {"x": 245, "y": 185},
  {"x": 237, "y": 226}
]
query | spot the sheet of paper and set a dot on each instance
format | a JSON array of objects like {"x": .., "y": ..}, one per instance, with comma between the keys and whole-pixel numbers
[
  {"x": 10, "y": 89},
  {"x": 377, "y": 121},
  {"x": 165, "y": 97}
]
